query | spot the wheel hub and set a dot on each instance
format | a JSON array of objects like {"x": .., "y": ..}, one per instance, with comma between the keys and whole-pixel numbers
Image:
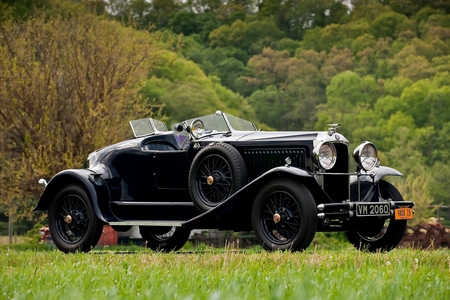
[
  {"x": 284, "y": 214},
  {"x": 215, "y": 177},
  {"x": 276, "y": 218},
  {"x": 68, "y": 219}
]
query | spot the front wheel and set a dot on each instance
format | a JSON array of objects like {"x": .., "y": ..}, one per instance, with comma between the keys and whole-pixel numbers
[
  {"x": 164, "y": 238},
  {"x": 284, "y": 216},
  {"x": 72, "y": 221},
  {"x": 380, "y": 235}
]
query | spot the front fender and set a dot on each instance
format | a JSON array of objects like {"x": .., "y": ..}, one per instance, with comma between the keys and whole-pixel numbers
[
  {"x": 235, "y": 212},
  {"x": 368, "y": 187},
  {"x": 91, "y": 182},
  {"x": 377, "y": 173}
]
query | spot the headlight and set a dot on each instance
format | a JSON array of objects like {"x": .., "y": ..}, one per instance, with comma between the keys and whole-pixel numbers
[
  {"x": 325, "y": 155},
  {"x": 197, "y": 128},
  {"x": 366, "y": 156}
]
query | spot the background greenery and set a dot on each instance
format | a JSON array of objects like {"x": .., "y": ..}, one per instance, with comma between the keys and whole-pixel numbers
[{"x": 74, "y": 72}]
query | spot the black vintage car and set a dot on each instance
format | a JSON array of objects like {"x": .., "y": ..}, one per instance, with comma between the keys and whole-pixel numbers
[{"x": 219, "y": 172}]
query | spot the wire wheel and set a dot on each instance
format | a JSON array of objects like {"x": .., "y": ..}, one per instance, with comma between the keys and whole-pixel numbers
[
  {"x": 216, "y": 173},
  {"x": 164, "y": 238},
  {"x": 284, "y": 216},
  {"x": 379, "y": 235},
  {"x": 72, "y": 221},
  {"x": 214, "y": 180},
  {"x": 280, "y": 217}
]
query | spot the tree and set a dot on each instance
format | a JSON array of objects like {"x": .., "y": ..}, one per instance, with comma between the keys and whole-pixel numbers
[
  {"x": 69, "y": 85},
  {"x": 264, "y": 68},
  {"x": 229, "y": 70},
  {"x": 184, "y": 90},
  {"x": 348, "y": 89},
  {"x": 337, "y": 61},
  {"x": 271, "y": 104},
  {"x": 220, "y": 37},
  {"x": 368, "y": 10},
  {"x": 396, "y": 85},
  {"x": 362, "y": 42},
  {"x": 200, "y": 6},
  {"x": 413, "y": 97},
  {"x": 185, "y": 22},
  {"x": 349, "y": 100},
  {"x": 385, "y": 25},
  {"x": 22, "y": 9},
  {"x": 230, "y": 11}
]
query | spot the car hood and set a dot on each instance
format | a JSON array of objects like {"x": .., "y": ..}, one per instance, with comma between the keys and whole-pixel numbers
[{"x": 291, "y": 136}]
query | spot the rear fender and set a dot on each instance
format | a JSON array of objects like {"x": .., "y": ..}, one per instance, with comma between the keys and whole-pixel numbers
[{"x": 91, "y": 182}]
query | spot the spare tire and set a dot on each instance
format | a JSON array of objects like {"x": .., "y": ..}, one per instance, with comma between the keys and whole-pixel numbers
[{"x": 217, "y": 172}]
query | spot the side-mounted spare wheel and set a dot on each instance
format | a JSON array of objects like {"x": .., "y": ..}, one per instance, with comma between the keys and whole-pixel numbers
[
  {"x": 216, "y": 173},
  {"x": 284, "y": 216},
  {"x": 72, "y": 221}
]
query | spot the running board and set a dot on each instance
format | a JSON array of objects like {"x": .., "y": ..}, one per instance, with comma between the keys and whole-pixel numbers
[{"x": 148, "y": 223}]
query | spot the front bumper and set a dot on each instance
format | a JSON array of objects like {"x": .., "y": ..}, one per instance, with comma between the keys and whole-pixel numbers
[{"x": 399, "y": 210}]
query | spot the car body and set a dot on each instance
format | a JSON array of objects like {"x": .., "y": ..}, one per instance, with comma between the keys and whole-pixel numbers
[{"x": 219, "y": 172}]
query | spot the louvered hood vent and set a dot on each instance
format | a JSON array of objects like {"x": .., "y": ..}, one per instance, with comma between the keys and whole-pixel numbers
[{"x": 260, "y": 161}]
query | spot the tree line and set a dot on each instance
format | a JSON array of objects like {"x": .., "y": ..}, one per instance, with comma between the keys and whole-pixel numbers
[{"x": 381, "y": 68}]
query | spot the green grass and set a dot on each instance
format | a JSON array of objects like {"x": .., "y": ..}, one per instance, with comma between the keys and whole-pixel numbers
[{"x": 225, "y": 274}]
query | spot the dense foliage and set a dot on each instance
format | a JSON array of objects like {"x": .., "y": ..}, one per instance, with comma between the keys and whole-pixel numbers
[
  {"x": 381, "y": 68},
  {"x": 67, "y": 85}
]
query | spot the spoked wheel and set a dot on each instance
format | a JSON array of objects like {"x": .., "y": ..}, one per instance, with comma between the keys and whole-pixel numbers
[
  {"x": 72, "y": 221},
  {"x": 380, "y": 235},
  {"x": 284, "y": 216},
  {"x": 164, "y": 238},
  {"x": 216, "y": 173}
]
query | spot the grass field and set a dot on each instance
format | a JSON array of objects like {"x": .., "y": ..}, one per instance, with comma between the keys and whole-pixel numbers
[{"x": 225, "y": 274}]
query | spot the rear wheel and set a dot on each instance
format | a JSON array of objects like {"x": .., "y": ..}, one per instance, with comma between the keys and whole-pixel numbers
[
  {"x": 284, "y": 216},
  {"x": 72, "y": 221},
  {"x": 380, "y": 234},
  {"x": 164, "y": 238}
]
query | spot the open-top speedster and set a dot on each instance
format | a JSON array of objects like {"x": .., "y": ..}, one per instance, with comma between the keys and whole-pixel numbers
[{"x": 219, "y": 172}]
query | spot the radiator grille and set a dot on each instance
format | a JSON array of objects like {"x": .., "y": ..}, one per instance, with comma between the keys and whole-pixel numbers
[
  {"x": 260, "y": 161},
  {"x": 337, "y": 186}
]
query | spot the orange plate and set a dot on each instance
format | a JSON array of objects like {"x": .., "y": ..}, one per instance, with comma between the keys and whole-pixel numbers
[{"x": 404, "y": 213}]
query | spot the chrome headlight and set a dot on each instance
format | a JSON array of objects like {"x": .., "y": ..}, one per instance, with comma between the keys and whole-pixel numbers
[
  {"x": 325, "y": 155},
  {"x": 366, "y": 156},
  {"x": 197, "y": 128}
]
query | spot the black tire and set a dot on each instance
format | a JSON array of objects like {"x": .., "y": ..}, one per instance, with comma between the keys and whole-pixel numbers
[
  {"x": 380, "y": 235},
  {"x": 216, "y": 173},
  {"x": 284, "y": 216},
  {"x": 164, "y": 238},
  {"x": 72, "y": 221}
]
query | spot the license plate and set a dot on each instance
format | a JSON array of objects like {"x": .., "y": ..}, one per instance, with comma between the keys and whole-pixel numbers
[
  {"x": 404, "y": 213},
  {"x": 373, "y": 209}
]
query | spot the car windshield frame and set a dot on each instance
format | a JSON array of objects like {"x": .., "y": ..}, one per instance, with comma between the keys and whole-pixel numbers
[
  {"x": 220, "y": 122},
  {"x": 147, "y": 126}
]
